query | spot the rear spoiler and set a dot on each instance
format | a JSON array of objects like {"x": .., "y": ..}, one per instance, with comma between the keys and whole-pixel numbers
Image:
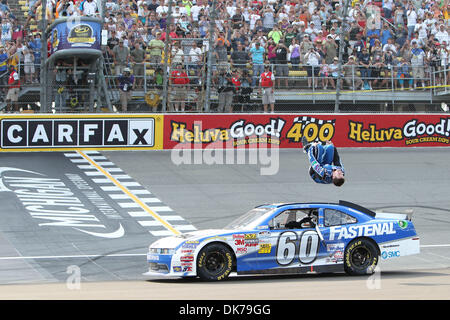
[{"x": 404, "y": 215}]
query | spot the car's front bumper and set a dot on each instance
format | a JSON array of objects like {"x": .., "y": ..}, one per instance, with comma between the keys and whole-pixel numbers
[{"x": 161, "y": 265}]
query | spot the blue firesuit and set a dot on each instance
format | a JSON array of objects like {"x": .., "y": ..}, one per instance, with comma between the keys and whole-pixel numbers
[{"x": 323, "y": 160}]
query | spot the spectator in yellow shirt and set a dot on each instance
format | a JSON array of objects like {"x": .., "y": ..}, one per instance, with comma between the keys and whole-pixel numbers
[{"x": 275, "y": 34}]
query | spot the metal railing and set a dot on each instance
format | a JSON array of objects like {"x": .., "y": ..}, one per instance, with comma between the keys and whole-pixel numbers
[
  {"x": 441, "y": 81},
  {"x": 293, "y": 83}
]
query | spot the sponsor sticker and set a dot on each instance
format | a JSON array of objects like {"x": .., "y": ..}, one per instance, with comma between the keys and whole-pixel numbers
[
  {"x": 370, "y": 230},
  {"x": 390, "y": 254}
]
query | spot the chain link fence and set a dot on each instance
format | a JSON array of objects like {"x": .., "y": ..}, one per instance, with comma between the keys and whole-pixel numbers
[
  {"x": 233, "y": 88},
  {"x": 200, "y": 74}
]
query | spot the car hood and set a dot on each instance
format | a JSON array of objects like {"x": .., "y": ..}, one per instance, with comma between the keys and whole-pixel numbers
[{"x": 200, "y": 235}]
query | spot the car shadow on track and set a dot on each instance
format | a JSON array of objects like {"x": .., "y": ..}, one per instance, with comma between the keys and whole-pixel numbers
[{"x": 308, "y": 276}]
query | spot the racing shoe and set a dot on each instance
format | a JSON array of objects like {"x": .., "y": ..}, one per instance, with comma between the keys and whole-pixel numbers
[{"x": 305, "y": 144}]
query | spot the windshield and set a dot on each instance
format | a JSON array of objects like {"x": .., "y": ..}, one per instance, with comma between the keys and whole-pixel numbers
[{"x": 247, "y": 219}]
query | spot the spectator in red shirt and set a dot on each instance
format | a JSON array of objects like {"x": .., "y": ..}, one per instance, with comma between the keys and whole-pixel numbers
[
  {"x": 12, "y": 97},
  {"x": 267, "y": 81},
  {"x": 178, "y": 81},
  {"x": 172, "y": 33}
]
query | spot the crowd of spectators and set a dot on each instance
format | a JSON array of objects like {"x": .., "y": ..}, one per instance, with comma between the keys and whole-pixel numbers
[
  {"x": 18, "y": 51},
  {"x": 405, "y": 39}
]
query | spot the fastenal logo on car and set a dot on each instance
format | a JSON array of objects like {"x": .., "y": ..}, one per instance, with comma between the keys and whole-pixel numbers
[
  {"x": 77, "y": 132},
  {"x": 370, "y": 230}
]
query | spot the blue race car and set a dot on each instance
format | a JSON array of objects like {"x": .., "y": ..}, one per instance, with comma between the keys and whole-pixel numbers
[{"x": 288, "y": 238}]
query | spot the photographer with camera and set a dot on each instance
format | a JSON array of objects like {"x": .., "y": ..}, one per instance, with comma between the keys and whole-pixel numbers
[
  {"x": 65, "y": 8},
  {"x": 126, "y": 82},
  {"x": 226, "y": 90},
  {"x": 312, "y": 59},
  {"x": 61, "y": 80},
  {"x": 246, "y": 90}
]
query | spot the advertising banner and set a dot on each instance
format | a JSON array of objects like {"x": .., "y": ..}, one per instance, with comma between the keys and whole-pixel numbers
[
  {"x": 69, "y": 132},
  {"x": 286, "y": 130},
  {"x": 220, "y": 131},
  {"x": 75, "y": 34}
]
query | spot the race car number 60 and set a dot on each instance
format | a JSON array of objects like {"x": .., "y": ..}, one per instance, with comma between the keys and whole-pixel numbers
[{"x": 290, "y": 246}]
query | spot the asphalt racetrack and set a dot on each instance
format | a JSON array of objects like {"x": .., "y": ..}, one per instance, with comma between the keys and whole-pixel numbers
[{"x": 92, "y": 243}]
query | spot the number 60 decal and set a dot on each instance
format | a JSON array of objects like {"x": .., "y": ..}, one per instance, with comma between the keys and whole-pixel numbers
[{"x": 290, "y": 246}]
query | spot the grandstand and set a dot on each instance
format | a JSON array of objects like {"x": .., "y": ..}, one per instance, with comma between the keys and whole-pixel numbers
[{"x": 387, "y": 83}]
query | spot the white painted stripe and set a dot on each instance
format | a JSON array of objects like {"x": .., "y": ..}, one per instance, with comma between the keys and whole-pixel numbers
[
  {"x": 91, "y": 152},
  {"x": 161, "y": 233},
  {"x": 113, "y": 169},
  {"x": 72, "y": 155},
  {"x": 93, "y": 173},
  {"x": 126, "y": 183},
  {"x": 127, "y": 205},
  {"x": 172, "y": 218},
  {"x": 137, "y": 202},
  {"x": 152, "y": 223},
  {"x": 121, "y": 176},
  {"x": 119, "y": 196},
  {"x": 110, "y": 188},
  {"x": 150, "y": 200},
  {"x": 102, "y": 180},
  {"x": 105, "y": 163},
  {"x": 435, "y": 245},
  {"x": 139, "y": 192},
  {"x": 79, "y": 160},
  {"x": 95, "y": 158},
  {"x": 185, "y": 227},
  {"x": 86, "y": 166},
  {"x": 158, "y": 233},
  {"x": 130, "y": 184},
  {"x": 160, "y": 209},
  {"x": 75, "y": 256},
  {"x": 139, "y": 214}
]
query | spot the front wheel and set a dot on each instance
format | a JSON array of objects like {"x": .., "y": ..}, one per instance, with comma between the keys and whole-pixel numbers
[
  {"x": 214, "y": 262},
  {"x": 361, "y": 257}
]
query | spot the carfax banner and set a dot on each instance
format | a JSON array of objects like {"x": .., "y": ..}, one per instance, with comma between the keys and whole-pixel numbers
[
  {"x": 68, "y": 132},
  {"x": 286, "y": 130}
]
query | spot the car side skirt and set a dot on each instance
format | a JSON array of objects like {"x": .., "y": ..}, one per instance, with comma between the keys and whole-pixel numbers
[{"x": 297, "y": 270}]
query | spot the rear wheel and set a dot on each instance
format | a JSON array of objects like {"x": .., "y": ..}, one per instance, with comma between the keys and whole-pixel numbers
[
  {"x": 361, "y": 257},
  {"x": 214, "y": 262}
]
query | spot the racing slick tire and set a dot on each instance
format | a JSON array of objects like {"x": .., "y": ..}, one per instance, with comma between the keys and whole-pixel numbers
[
  {"x": 361, "y": 257},
  {"x": 215, "y": 262}
]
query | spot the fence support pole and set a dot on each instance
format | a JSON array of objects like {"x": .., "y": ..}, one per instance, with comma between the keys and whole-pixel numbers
[
  {"x": 212, "y": 25},
  {"x": 166, "y": 58},
  {"x": 342, "y": 34},
  {"x": 44, "y": 92}
]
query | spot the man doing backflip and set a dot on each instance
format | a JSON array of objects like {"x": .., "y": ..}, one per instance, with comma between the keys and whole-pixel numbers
[{"x": 326, "y": 166}]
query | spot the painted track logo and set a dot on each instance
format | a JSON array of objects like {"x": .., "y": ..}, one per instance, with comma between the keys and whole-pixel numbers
[
  {"x": 3, "y": 187},
  {"x": 49, "y": 199}
]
